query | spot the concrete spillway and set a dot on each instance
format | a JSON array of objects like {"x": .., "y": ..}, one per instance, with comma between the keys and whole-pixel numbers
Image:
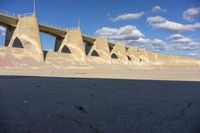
[{"x": 23, "y": 49}]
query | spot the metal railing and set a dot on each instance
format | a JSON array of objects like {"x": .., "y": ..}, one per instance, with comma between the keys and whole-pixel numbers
[
  {"x": 10, "y": 14},
  {"x": 6, "y": 13},
  {"x": 25, "y": 15},
  {"x": 57, "y": 27},
  {"x": 72, "y": 28}
]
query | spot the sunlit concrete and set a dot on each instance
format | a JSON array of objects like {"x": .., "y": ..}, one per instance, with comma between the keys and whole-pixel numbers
[
  {"x": 24, "y": 32},
  {"x": 26, "y": 35}
]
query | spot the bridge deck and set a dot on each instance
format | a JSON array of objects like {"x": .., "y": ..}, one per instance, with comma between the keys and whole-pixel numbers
[{"x": 11, "y": 21}]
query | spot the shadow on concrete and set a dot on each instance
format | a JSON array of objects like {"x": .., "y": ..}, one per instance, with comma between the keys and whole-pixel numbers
[{"x": 72, "y": 105}]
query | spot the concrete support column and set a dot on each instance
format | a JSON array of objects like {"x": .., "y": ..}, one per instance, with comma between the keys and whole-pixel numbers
[
  {"x": 119, "y": 55},
  {"x": 26, "y": 35},
  {"x": 9, "y": 34},
  {"x": 132, "y": 53},
  {"x": 142, "y": 55},
  {"x": 58, "y": 43},
  {"x": 100, "y": 48},
  {"x": 72, "y": 44}
]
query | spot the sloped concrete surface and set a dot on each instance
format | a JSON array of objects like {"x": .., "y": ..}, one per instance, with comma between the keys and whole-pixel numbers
[
  {"x": 18, "y": 58},
  {"x": 68, "y": 105}
]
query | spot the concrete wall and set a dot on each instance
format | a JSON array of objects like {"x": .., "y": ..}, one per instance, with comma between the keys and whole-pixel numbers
[
  {"x": 26, "y": 35},
  {"x": 187, "y": 62}
]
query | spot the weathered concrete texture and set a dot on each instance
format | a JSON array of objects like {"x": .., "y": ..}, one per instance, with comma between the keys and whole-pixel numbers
[
  {"x": 18, "y": 58},
  {"x": 27, "y": 35},
  {"x": 185, "y": 61},
  {"x": 164, "y": 61},
  {"x": 139, "y": 57},
  {"x": 143, "y": 55},
  {"x": 149, "y": 59},
  {"x": 63, "y": 60},
  {"x": 134, "y": 59},
  {"x": 24, "y": 32},
  {"x": 119, "y": 55},
  {"x": 99, "y": 52},
  {"x": 73, "y": 45}
]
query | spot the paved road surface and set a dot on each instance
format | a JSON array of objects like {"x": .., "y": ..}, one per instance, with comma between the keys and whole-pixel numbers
[{"x": 70, "y": 105}]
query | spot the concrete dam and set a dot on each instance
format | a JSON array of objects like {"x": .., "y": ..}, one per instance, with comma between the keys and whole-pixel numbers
[
  {"x": 90, "y": 85},
  {"x": 23, "y": 49}
]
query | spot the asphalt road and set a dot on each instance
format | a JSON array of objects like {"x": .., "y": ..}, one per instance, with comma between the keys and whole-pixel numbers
[{"x": 70, "y": 105}]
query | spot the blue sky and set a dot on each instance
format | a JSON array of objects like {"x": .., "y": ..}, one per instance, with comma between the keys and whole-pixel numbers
[{"x": 170, "y": 26}]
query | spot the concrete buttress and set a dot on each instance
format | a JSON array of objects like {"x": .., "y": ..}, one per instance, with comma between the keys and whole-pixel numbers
[
  {"x": 72, "y": 44},
  {"x": 119, "y": 55},
  {"x": 100, "y": 49},
  {"x": 26, "y": 35}
]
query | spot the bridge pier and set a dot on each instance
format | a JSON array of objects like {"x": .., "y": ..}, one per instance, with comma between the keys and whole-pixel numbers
[
  {"x": 9, "y": 34},
  {"x": 119, "y": 55},
  {"x": 98, "y": 52},
  {"x": 142, "y": 55},
  {"x": 132, "y": 56},
  {"x": 26, "y": 35},
  {"x": 72, "y": 44}
]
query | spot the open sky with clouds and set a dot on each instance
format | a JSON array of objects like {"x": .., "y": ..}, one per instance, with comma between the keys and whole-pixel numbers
[{"x": 170, "y": 26}]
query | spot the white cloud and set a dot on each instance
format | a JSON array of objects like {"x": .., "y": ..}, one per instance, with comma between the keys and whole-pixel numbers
[
  {"x": 146, "y": 41},
  {"x": 131, "y": 36},
  {"x": 152, "y": 44},
  {"x": 158, "y": 9},
  {"x": 163, "y": 23},
  {"x": 127, "y": 32},
  {"x": 128, "y": 16},
  {"x": 178, "y": 38},
  {"x": 2, "y": 31},
  {"x": 160, "y": 45},
  {"x": 195, "y": 54},
  {"x": 191, "y": 13},
  {"x": 181, "y": 42},
  {"x": 185, "y": 46}
]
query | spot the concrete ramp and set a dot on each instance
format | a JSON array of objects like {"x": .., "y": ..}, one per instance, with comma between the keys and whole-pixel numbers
[
  {"x": 62, "y": 60},
  {"x": 26, "y": 35},
  {"x": 98, "y": 52},
  {"x": 119, "y": 55},
  {"x": 18, "y": 58}
]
